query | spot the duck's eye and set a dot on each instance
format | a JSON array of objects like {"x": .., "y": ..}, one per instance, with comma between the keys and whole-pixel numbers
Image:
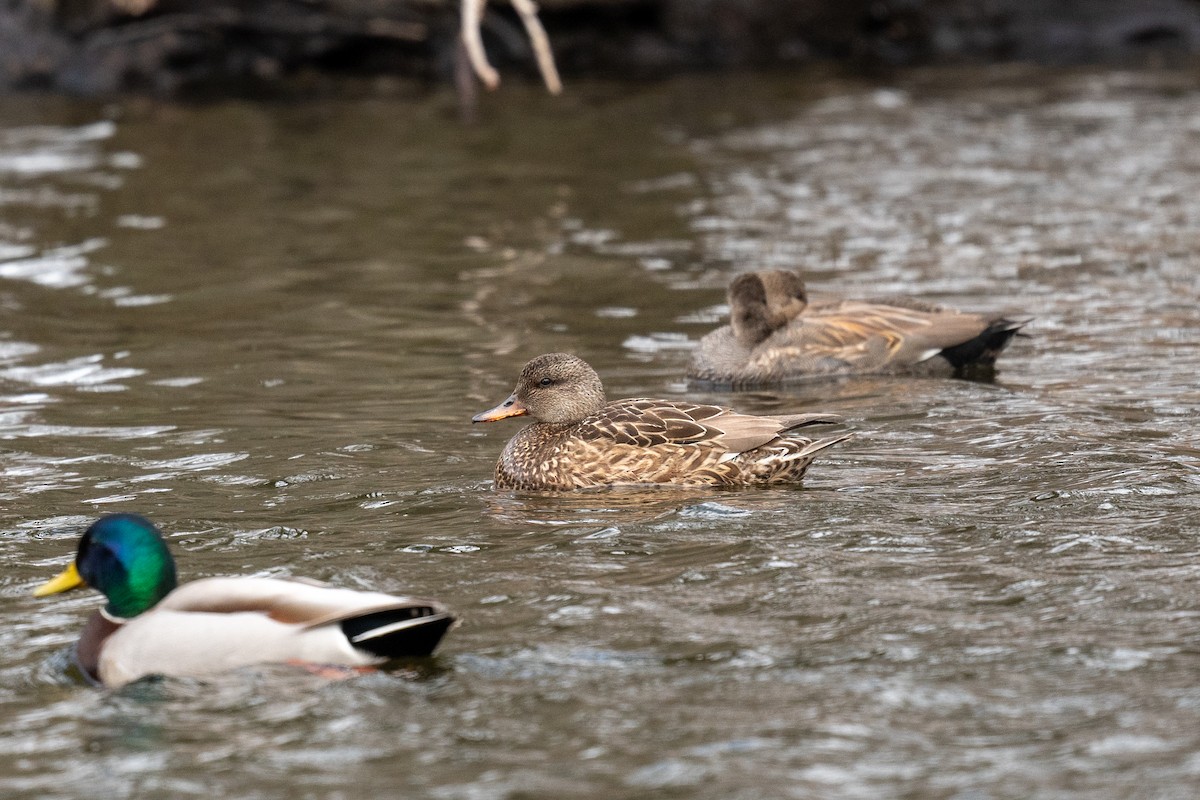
[{"x": 545, "y": 382}]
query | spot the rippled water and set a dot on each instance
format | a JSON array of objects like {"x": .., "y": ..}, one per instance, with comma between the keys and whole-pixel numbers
[{"x": 268, "y": 326}]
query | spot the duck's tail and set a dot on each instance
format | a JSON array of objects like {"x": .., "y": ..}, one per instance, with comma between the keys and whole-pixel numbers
[
  {"x": 407, "y": 632},
  {"x": 787, "y": 463},
  {"x": 793, "y": 421},
  {"x": 811, "y": 449},
  {"x": 984, "y": 348}
]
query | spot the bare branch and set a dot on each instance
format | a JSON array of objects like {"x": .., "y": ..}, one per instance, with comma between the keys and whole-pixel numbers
[
  {"x": 541, "y": 44},
  {"x": 472, "y": 18}
]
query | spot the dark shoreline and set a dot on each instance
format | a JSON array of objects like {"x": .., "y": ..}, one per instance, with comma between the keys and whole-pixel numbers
[{"x": 182, "y": 47}]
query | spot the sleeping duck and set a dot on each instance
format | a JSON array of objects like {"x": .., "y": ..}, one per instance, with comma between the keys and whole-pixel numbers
[
  {"x": 578, "y": 440},
  {"x": 153, "y": 626},
  {"x": 774, "y": 336}
]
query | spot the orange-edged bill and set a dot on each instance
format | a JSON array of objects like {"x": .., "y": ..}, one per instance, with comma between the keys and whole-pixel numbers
[{"x": 512, "y": 407}]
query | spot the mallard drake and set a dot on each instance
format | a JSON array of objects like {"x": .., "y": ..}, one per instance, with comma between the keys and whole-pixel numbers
[
  {"x": 577, "y": 440},
  {"x": 775, "y": 336},
  {"x": 151, "y": 626}
]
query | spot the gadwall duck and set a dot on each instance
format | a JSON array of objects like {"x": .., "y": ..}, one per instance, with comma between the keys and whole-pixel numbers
[
  {"x": 152, "y": 627},
  {"x": 577, "y": 440},
  {"x": 775, "y": 336}
]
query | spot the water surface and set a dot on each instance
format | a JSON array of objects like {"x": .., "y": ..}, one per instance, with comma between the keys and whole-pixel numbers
[{"x": 267, "y": 326}]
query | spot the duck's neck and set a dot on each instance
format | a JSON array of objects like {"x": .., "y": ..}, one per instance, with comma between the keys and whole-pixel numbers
[
  {"x": 138, "y": 589},
  {"x": 543, "y": 430}
]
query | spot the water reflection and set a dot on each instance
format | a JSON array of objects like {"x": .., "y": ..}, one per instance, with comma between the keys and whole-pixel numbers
[{"x": 599, "y": 506}]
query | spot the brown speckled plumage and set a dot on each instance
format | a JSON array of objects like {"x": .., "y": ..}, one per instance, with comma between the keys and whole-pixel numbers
[
  {"x": 775, "y": 336},
  {"x": 578, "y": 441}
]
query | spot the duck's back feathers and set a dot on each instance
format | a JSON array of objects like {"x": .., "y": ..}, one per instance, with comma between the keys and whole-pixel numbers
[
  {"x": 290, "y": 600},
  {"x": 655, "y": 423},
  {"x": 649, "y": 423},
  {"x": 916, "y": 332},
  {"x": 871, "y": 336},
  {"x": 217, "y": 624}
]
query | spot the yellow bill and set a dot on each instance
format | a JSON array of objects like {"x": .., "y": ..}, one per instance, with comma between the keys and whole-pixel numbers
[{"x": 69, "y": 578}]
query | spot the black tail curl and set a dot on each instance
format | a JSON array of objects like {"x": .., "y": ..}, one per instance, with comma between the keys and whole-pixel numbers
[
  {"x": 984, "y": 348},
  {"x": 410, "y": 632}
]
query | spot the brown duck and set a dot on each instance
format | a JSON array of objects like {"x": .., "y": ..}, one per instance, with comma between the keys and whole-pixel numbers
[
  {"x": 577, "y": 440},
  {"x": 775, "y": 336}
]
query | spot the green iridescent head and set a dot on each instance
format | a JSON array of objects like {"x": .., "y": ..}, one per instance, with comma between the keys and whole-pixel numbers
[{"x": 124, "y": 557}]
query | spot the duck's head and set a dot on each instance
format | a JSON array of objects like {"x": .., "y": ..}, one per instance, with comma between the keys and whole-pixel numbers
[
  {"x": 555, "y": 387},
  {"x": 761, "y": 303},
  {"x": 124, "y": 557}
]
